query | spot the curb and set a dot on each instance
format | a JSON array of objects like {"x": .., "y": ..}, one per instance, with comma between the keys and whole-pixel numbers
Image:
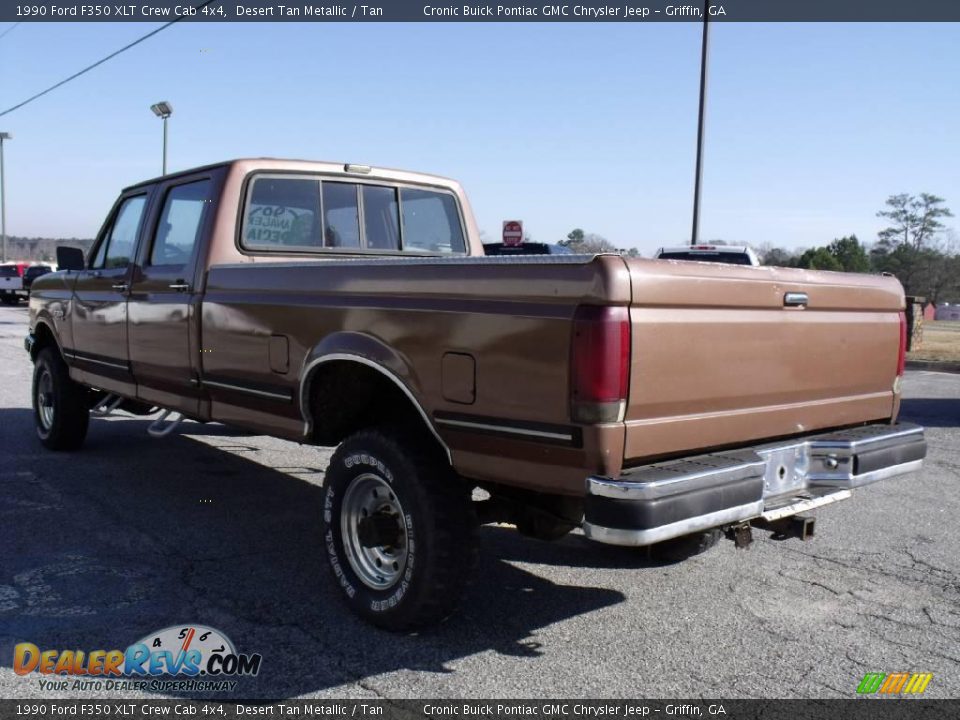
[{"x": 933, "y": 365}]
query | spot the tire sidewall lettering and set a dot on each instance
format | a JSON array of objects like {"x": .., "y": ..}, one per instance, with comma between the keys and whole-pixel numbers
[
  {"x": 352, "y": 461},
  {"x": 338, "y": 572},
  {"x": 399, "y": 591}
]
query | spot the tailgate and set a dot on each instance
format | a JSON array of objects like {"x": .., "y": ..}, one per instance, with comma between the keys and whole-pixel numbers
[{"x": 725, "y": 355}]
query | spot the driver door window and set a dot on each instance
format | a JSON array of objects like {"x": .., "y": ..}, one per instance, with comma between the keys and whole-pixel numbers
[{"x": 180, "y": 224}]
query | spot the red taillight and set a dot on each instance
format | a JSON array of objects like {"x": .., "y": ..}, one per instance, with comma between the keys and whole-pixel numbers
[
  {"x": 902, "y": 357},
  {"x": 600, "y": 363}
]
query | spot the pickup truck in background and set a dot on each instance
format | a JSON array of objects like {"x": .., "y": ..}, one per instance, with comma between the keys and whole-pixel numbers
[
  {"x": 650, "y": 403},
  {"x": 730, "y": 254},
  {"x": 10, "y": 284},
  {"x": 32, "y": 273},
  {"x": 526, "y": 248}
]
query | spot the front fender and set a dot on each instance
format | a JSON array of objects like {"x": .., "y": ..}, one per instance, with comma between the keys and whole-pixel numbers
[{"x": 51, "y": 304}]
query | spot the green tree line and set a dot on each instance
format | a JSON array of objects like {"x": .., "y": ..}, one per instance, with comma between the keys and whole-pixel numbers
[{"x": 915, "y": 246}]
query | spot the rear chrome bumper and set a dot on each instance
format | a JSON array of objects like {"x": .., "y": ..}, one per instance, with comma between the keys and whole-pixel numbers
[{"x": 665, "y": 500}]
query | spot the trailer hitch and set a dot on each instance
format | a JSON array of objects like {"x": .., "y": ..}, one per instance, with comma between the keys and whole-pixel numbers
[{"x": 795, "y": 526}]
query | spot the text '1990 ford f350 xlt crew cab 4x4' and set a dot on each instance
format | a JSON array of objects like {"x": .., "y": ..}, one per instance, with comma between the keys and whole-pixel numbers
[{"x": 648, "y": 402}]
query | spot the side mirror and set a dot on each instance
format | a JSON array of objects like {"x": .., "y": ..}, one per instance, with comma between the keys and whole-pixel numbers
[{"x": 70, "y": 258}]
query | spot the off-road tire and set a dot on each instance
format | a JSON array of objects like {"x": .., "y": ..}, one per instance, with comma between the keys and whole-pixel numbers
[
  {"x": 66, "y": 427},
  {"x": 438, "y": 521},
  {"x": 681, "y": 548}
]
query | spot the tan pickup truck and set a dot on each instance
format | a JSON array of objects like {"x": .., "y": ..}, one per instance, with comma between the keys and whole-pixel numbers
[{"x": 642, "y": 400}]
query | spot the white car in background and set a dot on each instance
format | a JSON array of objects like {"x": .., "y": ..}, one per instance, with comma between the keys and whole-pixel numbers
[{"x": 730, "y": 254}]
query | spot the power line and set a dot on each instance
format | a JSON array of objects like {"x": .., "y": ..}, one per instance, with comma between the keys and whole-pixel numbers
[
  {"x": 4, "y": 33},
  {"x": 102, "y": 61}
]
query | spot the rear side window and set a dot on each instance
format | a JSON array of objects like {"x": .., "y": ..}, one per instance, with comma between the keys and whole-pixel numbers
[
  {"x": 180, "y": 224},
  {"x": 430, "y": 221},
  {"x": 117, "y": 247},
  {"x": 283, "y": 214}
]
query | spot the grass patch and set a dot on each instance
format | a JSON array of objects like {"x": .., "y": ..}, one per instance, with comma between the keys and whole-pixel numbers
[{"x": 941, "y": 342}]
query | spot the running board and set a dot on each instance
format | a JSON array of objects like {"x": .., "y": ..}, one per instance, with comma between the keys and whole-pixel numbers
[
  {"x": 161, "y": 427},
  {"x": 106, "y": 406}
]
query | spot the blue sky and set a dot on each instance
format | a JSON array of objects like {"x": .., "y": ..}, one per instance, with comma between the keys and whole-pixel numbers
[{"x": 810, "y": 126}]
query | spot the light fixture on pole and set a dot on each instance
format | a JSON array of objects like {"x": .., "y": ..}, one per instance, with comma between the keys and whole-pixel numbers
[
  {"x": 163, "y": 110},
  {"x": 3, "y": 198}
]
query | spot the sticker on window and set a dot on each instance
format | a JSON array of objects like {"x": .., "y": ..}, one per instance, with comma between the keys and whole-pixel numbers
[{"x": 279, "y": 225}]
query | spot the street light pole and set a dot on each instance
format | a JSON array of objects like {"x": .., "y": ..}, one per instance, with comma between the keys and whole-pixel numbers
[
  {"x": 3, "y": 197},
  {"x": 698, "y": 175},
  {"x": 163, "y": 110},
  {"x": 165, "y": 118}
]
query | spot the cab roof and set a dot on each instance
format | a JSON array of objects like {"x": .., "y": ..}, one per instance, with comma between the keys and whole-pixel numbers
[{"x": 326, "y": 167}]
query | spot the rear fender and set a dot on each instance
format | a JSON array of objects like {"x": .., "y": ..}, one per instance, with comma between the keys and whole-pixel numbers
[{"x": 371, "y": 352}]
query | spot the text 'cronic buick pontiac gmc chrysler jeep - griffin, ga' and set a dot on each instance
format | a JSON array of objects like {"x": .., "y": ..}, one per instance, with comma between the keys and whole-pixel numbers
[{"x": 649, "y": 402}]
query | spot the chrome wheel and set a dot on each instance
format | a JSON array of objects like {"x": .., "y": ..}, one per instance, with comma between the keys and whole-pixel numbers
[
  {"x": 45, "y": 399},
  {"x": 374, "y": 530}
]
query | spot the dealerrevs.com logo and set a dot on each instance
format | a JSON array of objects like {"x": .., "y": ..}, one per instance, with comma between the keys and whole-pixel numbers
[{"x": 177, "y": 658}]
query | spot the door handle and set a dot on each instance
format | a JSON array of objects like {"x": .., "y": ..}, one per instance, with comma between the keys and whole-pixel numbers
[
  {"x": 795, "y": 299},
  {"x": 179, "y": 286},
  {"x": 120, "y": 287}
]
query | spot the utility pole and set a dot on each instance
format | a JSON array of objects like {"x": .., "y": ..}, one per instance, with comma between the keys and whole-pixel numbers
[
  {"x": 3, "y": 198},
  {"x": 698, "y": 174}
]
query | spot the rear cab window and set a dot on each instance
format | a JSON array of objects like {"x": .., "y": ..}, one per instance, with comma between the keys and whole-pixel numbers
[
  {"x": 315, "y": 214},
  {"x": 431, "y": 221},
  {"x": 283, "y": 214},
  {"x": 341, "y": 215}
]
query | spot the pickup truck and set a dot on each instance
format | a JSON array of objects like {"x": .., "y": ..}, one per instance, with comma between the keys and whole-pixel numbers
[
  {"x": 733, "y": 254},
  {"x": 10, "y": 284},
  {"x": 647, "y": 402},
  {"x": 32, "y": 273}
]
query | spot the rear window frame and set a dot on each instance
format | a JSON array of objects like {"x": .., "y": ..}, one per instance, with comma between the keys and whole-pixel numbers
[{"x": 363, "y": 250}]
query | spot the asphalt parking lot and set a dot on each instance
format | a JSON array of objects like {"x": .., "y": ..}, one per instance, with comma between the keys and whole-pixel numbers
[{"x": 218, "y": 527}]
